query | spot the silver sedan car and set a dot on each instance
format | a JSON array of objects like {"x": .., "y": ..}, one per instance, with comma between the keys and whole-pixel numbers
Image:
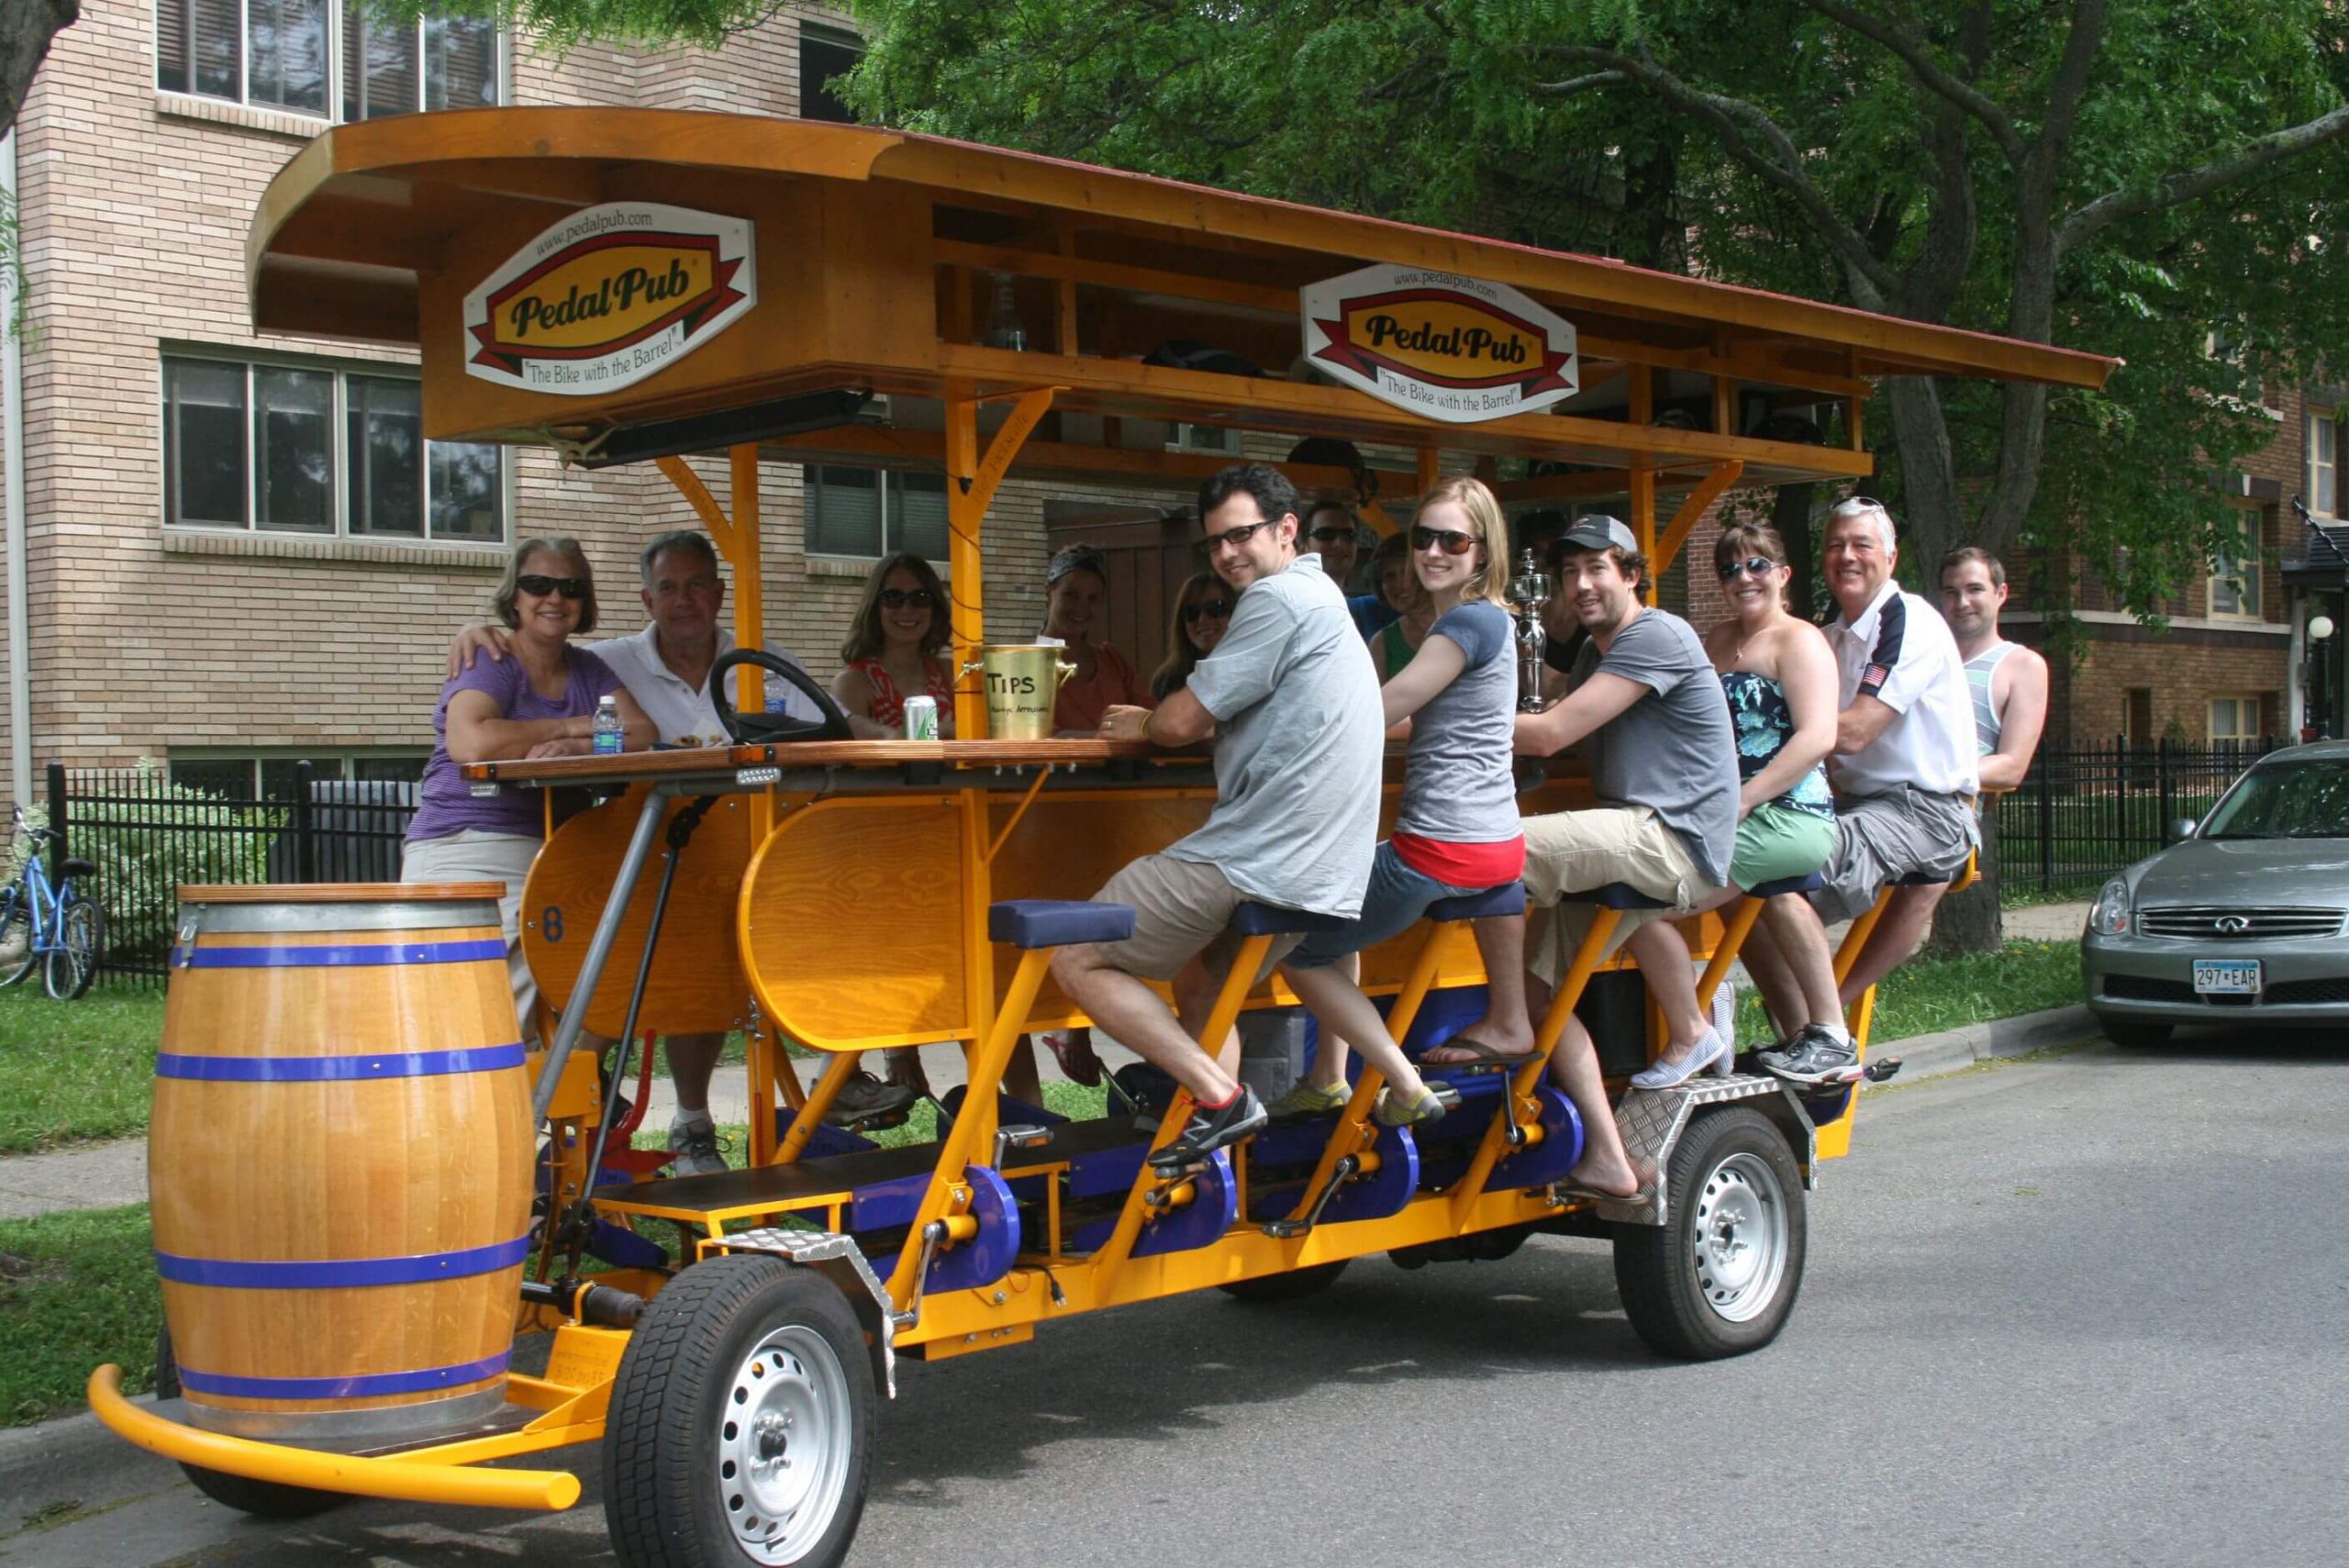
[{"x": 2243, "y": 916}]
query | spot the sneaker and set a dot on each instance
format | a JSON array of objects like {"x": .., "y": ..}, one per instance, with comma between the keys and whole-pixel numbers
[
  {"x": 1307, "y": 1099},
  {"x": 693, "y": 1141},
  {"x": 1072, "y": 1049},
  {"x": 1812, "y": 1056},
  {"x": 1208, "y": 1130},
  {"x": 864, "y": 1096},
  {"x": 1393, "y": 1111}
]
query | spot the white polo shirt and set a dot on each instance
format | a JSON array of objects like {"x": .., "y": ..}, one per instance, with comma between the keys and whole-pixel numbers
[
  {"x": 683, "y": 714},
  {"x": 1899, "y": 650}
]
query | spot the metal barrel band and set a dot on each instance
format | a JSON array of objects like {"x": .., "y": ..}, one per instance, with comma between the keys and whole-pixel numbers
[
  {"x": 338, "y": 1069},
  {"x": 360, "y": 1385},
  {"x": 337, "y": 956},
  {"x": 330, "y": 1273}
]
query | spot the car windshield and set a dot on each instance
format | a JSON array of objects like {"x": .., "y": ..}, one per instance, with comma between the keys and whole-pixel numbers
[{"x": 2286, "y": 800}]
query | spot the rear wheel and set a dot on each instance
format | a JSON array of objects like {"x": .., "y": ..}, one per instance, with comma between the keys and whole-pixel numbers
[
  {"x": 740, "y": 1426},
  {"x": 1295, "y": 1284},
  {"x": 1719, "y": 1277},
  {"x": 263, "y": 1499},
  {"x": 2135, "y": 1034},
  {"x": 16, "y": 955},
  {"x": 74, "y": 962}
]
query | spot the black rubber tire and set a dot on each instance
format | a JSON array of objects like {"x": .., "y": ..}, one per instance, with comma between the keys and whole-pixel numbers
[
  {"x": 73, "y": 964},
  {"x": 1656, "y": 1266},
  {"x": 15, "y": 926},
  {"x": 263, "y": 1499},
  {"x": 2135, "y": 1034},
  {"x": 1294, "y": 1285},
  {"x": 663, "y": 1502}
]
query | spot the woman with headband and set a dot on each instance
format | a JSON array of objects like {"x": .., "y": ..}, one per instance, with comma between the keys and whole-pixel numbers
[{"x": 1077, "y": 583}]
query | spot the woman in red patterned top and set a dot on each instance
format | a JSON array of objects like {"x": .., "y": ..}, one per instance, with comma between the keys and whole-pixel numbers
[{"x": 896, "y": 648}]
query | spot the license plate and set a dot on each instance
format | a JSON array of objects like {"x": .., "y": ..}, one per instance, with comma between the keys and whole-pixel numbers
[{"x": 2236, "y": 977}]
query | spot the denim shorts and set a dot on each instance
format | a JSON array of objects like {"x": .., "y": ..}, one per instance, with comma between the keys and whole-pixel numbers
[{"x": 1394, "y": 901}]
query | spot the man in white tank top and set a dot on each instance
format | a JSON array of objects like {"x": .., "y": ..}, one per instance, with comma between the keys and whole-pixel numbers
[{"x": 2006, "y": 681}]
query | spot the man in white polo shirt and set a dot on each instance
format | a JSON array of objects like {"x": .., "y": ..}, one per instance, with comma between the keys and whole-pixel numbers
[
  {"x": 1903, "y": 770},
  {"x": 667, "y": 669}
]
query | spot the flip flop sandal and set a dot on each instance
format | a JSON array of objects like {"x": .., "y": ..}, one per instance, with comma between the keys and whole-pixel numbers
[{"x": 1480, "y": 1054}]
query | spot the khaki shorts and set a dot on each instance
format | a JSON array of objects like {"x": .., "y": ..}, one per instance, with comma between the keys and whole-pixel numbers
[
  {"x": 1182, "y": 911},
  {"x": 1568, "y": 853},
  {"x": 471, "y": 855}
]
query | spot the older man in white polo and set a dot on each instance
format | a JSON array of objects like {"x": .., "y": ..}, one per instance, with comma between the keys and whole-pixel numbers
[{"x": 1904, "y": 770}]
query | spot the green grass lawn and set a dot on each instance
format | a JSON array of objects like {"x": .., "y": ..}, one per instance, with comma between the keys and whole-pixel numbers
[
  {"x": 1928, "y": 994},
  {"x": 76, "y": 1290},
  {"x": 76, "y": 1070}
]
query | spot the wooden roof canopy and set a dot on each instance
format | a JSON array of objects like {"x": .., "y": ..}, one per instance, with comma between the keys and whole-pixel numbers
[{"x": 876, "y": 254}]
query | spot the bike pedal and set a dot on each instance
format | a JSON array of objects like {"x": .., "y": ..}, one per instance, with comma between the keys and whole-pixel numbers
[
  {"x": 879, "y": 1121},
  {"x": 1177, "y": 1168},
  {"x": 1446, "y": 1094},
  {"x": 1286, "y": 1229},
  {"x": 1882, "y": 1070}
]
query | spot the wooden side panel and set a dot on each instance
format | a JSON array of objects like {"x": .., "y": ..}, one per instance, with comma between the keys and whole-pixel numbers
[{"x": 698, "y": 985}]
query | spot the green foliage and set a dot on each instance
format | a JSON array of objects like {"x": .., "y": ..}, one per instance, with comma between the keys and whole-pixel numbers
[
  {"x": 561, "y": 24},
  {"x": 142, "y": 867},
  {"x": 77, "y": 1069},
  {"x": 77, "y": 1290}
]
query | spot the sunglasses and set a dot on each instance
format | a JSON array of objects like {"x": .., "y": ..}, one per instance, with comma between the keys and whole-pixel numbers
[
  {"x": 1235, "y": 538},
  {"x": 1859, "y": 503},
  {"x": 1453, "y": 541},
  {"x": 899, "y": 598},
  {"x": 1331, "y": 535},
  {"x": 1753, "y": 566},
  {"x": 569, "y": 587},
  {"x": 1207, "y": 609}
]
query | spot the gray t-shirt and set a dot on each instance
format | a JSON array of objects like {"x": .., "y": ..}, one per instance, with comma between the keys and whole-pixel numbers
[
  {"x": 1672, "y": 751},
  {"x": 1457, "y": 787},
  {"x": 1298, "y": 742}
]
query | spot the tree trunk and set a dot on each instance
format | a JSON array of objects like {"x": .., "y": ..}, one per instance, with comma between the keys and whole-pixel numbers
[
  {"x": 1971, "y": 921},
  {"x": 1790, "y": 514},
  {"x": 26, "y": 28}
]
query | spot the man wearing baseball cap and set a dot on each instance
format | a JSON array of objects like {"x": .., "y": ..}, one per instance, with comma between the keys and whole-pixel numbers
[{"x": 1644, "y": 705}]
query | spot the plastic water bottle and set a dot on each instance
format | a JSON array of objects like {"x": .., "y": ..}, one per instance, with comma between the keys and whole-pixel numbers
[{"x": 607, "y": 727}]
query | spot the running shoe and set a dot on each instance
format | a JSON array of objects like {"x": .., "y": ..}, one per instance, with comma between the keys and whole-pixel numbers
[
  {"x": 693, "y": 1141},
  {"x": 1208, "y": 1130},
  {"x": 1307, "y": 1099},
  {"x": 864, "y": 1096},
  {"x": 1812, "y": 1056}
]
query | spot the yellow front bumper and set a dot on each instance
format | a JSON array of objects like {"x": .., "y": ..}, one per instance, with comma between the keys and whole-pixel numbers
[{"x": 415, "y": 1480}]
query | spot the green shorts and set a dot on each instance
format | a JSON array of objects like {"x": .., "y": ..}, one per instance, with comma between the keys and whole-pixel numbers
[{"x": 1776, "y": 841}]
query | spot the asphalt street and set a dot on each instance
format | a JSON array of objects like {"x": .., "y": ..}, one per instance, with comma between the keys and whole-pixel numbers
[{"x": 2083, "y": 1308}]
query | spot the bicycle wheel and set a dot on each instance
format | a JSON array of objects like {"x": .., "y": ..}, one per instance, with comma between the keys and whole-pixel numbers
[
  {"x": 73, "y": 961},
  {"x": 16, "y": 955}
]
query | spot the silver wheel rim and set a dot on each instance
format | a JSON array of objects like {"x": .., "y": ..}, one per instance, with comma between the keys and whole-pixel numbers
[
  {"x": 1738, "y": 1241},
  {"x": 783, "y": 1445}
]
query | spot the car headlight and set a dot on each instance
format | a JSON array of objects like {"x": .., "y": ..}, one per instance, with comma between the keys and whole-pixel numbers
[{"x": 2109, "y": 916}]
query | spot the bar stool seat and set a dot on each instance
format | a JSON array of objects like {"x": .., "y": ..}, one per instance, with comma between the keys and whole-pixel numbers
[
  {"x": 1254, "y": 919},
  {"x": 1618, "y": 896},
  {"x": 1508, "y": 898},
  {"x": 1033, "y": 923},
  {"x": 1809, "y": 882}
]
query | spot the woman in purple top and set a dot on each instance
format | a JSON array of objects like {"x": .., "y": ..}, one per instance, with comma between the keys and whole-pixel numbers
[{"x": 540, "y": 702}]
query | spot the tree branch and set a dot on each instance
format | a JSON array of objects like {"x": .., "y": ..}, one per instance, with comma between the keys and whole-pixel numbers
[
  {"x": 1929, "y": 73},
  {"x": 1576, "y": 84},
  {"x": 2172, "y": 190}
]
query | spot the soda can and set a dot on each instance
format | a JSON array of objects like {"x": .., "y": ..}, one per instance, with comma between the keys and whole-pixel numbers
[{"x": 921, "y": 719}]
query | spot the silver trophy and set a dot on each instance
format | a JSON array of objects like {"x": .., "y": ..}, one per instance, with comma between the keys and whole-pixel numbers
[{"x": 1527, "y": 592}]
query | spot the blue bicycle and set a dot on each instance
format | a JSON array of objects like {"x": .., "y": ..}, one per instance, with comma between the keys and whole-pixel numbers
[{"x": 53, "y": 922}]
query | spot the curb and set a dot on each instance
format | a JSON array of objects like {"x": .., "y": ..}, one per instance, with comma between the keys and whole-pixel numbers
[
  {"x": 73, "y": 1459},
  {"x": 1953, "y": 1050}
]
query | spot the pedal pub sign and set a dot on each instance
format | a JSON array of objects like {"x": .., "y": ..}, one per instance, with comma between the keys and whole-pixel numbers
[
  {"x": 1451, "y": 348},
  {"x": 609, "y": 296}
]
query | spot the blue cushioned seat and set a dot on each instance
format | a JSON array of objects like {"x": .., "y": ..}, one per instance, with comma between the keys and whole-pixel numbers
[
  {"x": 1620, "y": 895},
  {"x": 1508, "y": 898},
  {"x": 1809, "y": 882},
  {"x": 1058, "y": 922},
  {"x": 1252, "y": 919}
]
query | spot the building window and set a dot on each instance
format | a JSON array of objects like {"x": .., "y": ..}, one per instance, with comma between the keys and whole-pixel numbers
[
  {"x": 2234, "y": 575},
  {"x": 324, "y": 58},
  {"x": 2137, "y": 717},
  {"x": 260, "y": 446},
  {"x": 871, "y": 512},
  {"x": 2235, "y": 718},
  {"x": 2323, "y": 443},
  {"x": 1205, "y": 439},
  {"x": 255, "y": 777},
  {"x": 826, "y": 54}
]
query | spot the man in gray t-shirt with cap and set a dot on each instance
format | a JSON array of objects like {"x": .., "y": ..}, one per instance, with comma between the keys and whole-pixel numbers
[{"x": 1647, "y": 709}]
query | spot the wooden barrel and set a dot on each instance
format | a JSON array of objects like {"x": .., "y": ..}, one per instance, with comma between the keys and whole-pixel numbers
[{"x": 339, "y": 1160}]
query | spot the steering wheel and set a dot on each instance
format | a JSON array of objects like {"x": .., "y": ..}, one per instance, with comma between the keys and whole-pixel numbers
[{"x": 759, "y": 728}]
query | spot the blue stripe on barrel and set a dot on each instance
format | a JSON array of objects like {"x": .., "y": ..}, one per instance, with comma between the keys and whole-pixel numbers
[
  {"x": 326, "y": 1274},
  {"x": 339, "y": 956},
  {"x": 336, "y": 1069},
  {"x": 423, "y": 1381}
]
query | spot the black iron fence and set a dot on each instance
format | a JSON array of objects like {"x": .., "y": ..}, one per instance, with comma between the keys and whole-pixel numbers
[
  {"x": 2084, "y": 812},
  {"x": 147, "y": 836}
]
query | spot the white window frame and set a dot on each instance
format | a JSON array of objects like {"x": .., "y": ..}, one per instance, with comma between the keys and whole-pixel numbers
[
  {"x": 500, "y": 65},
  {"x": 2228, "y": 571},
  {"x": 338, "y": 446},
  {"x": 2247, "y": 704},
  {"x": 839, "y": 38},
  {"x": 251, "y": 758},
  {"x": 1221, "y": 440},
  {"x": 811, "y": 486},
  {"x": 2314, "y": 417}
]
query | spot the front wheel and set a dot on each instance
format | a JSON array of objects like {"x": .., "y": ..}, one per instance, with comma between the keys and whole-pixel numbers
[
  {"x": 17, "y": 954},
  {"x": 263, "y": 1499},
  {"x": 1720, "y": 1276},
  {"x": 1292, "y": 1285},
  {"x": 73, "y": 961},
  {"x": 741, "y": 1424},
  {"x": 2133, "y": 1034}
]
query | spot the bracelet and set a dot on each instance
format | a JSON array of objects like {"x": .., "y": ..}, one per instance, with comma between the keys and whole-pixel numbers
[{"x": 1146, "y": 718}]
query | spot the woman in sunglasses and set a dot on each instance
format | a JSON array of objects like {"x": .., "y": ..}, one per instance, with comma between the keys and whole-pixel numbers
[
  {"x": 1457, "y": 830},
  {"x": 1393, "y": 569},
  {"x": 896, "y": 648},
  {"x": 1202, "y": 614},
  {"x": 539, "y": 702},
  {"x": 1076, "y": 583}
]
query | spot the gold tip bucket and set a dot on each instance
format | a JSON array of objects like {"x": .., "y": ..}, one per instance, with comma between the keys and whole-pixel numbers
[{"x": 1022, "y": 682}]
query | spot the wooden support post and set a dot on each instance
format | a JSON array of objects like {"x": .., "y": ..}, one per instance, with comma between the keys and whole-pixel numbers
[
  {"x": 1707, "y": 491},
  {"x": 1641, "y": 478}
]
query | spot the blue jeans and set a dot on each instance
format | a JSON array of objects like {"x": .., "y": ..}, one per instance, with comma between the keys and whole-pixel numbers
[{"x": 1394, "y": 901}]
